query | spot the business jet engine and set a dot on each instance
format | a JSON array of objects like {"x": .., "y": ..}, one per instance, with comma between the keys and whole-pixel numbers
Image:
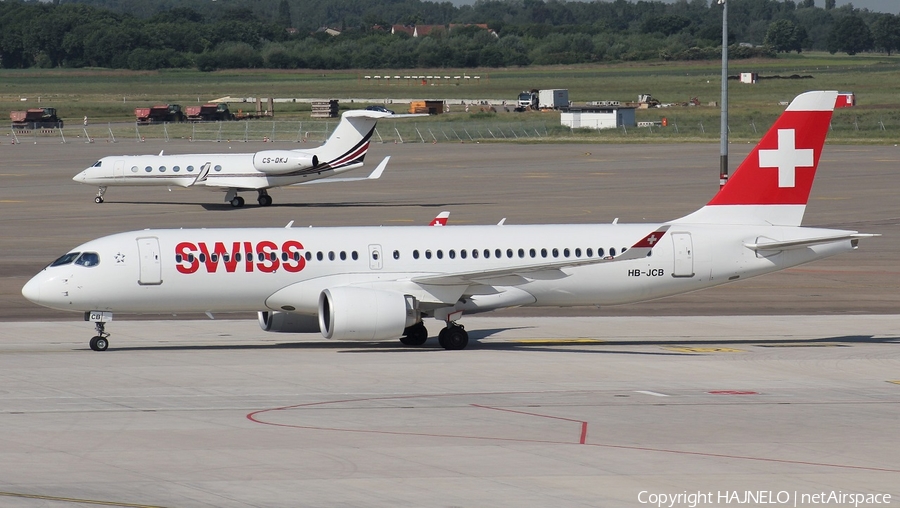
[
  {"x": 280, "y": 162},
  {"x": 353, "y": 313},
  {"x": 288, "y": 322}
]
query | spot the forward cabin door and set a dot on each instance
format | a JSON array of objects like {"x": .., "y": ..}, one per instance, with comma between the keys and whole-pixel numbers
[
  {"x": 684, "y": 255},
  {"x": 148, "y": 256},
  {"x": 119, "y": 170}
]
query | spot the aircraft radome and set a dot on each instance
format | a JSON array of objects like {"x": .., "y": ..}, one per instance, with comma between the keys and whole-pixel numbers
[
  {"x": 378, "y": 283},
  {"x": 232, "y": 173}
]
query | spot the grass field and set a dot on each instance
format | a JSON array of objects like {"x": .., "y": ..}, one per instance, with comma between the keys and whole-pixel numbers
[{"x": 111, "y": 95}]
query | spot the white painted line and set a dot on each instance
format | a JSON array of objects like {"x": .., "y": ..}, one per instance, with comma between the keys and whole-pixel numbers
[{"x": 655, "y": 394}]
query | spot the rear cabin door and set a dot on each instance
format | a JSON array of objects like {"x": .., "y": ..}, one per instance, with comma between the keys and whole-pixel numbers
[
  {"x": 684, "y": 255},
  {"x": 151, "y": 268}
]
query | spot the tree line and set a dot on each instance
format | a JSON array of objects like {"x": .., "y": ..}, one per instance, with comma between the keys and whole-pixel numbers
[{"x": 156, "y": 34}]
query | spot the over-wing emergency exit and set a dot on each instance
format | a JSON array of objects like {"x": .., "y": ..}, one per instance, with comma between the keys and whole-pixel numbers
[
  {"x": 377, "y": 283},
  {"x": 233, "y": 173}
]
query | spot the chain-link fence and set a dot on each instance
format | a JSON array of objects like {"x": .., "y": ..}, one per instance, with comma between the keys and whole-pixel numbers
[{"x": 852, "y": 126}]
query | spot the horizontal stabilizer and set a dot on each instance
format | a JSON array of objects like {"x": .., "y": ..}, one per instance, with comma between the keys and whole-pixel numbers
[
  {"x": 805, "y": 242},
  {"x": 374, "y": 175}
]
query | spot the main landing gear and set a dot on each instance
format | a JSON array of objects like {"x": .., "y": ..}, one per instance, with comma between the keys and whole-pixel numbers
[
  {"x": 236, "y": 201},
  {"x": 453, "y": 337},
  {"x": 100, "y": 192},
  {"x": 100, "y": 342}
]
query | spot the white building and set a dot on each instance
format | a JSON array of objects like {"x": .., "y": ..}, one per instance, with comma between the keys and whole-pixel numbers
[{"x": 611, "y": 117}]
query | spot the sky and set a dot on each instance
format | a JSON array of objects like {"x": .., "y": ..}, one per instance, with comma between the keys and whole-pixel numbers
[{"x": 891, "y": 6}]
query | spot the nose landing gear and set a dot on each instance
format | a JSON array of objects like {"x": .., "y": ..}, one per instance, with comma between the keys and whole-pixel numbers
[
  {"x": 100, "y": 342},
  {"x": 100, "y": 192}
]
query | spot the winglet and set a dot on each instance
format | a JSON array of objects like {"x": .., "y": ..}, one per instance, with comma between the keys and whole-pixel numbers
[
  {"x": 440, "y": 219},
  {"x": 642, "y": 247},
  {"x": 379, "y": 169}
]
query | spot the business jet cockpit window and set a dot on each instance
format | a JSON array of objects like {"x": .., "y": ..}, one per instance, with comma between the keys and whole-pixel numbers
[
  {"x": 97, "y": 164},
  {"x": 88, "y": 259}
]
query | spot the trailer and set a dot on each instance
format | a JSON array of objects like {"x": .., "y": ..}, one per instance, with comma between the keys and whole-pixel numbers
[
  {"x": 36, "y": 118},
  {"x": 211, "y": 112},
  {"x": 553, "y": 99}
]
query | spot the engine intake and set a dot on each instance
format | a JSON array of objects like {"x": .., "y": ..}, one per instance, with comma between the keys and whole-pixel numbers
[
  {"x": 351, "y": 313},
  {"x": 288, "y": 322},
  {"x": 279, "y": 162}
]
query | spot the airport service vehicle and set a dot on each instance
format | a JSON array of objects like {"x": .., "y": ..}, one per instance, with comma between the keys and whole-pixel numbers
[
  {"x": 213, "y": 112},
  {"x": 35, "y": 118},
  {"x": 160, "y": 113},
  {"x": 553, "y": 98},
  {"x": 232, "y": 173},
  {"x": 379, "y": 283}
]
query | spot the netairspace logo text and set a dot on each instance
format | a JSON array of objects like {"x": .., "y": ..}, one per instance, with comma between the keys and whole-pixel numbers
[{"x": 761, "y": 497}]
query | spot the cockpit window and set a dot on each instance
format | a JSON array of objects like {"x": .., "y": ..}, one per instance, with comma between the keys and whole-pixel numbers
[
  {"x": 88, "y": 259},
  {"x": 66, "y": 259},
  {"x": 97, "y": 164}
]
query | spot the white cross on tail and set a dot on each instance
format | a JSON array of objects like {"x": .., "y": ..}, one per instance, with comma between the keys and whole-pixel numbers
[{"x": 787, "y": 158}]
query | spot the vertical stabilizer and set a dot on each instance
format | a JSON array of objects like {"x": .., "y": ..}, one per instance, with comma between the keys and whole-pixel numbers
[
  {"x": 773, "y": 183},
  {"x": 349, "y": 142}
]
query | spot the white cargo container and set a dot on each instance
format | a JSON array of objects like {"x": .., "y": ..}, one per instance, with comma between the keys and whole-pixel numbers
[{"x": 553, "y": 99}]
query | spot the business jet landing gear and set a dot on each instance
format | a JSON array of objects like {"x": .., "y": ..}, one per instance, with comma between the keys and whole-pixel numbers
[
  {"x": 100, "y": 193},
  {"x": 264, "y": 198},
  {"x": 100, "y": 342},
  {"x": 453, "y": 337},
  {"x": 415, "y": 335},
  {"x": 237, "y": 202}
]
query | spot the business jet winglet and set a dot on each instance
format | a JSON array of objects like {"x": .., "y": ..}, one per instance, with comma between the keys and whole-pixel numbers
[
  {"x": 345, "y": 150},
  {"x": 379, "y": 283}
]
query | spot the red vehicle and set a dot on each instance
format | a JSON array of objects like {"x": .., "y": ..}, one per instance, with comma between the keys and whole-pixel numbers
[{"x": 37, "y": 118}]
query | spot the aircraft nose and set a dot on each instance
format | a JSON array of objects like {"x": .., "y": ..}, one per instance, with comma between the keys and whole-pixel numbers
[
  {"x": 80, "y": 177},
  {"x": 32, "y": 290}
]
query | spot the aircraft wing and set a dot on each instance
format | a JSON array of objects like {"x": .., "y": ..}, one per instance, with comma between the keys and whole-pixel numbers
[
  {"x": 374, "y": 175},
  {"x": 804, "y": 242},
  {"x": 543, "y": 270}
]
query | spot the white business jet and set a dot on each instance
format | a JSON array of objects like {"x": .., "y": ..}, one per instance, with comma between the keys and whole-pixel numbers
[
  {"x": 236, "y": 172},
  {"x": 377, "y": 283}
]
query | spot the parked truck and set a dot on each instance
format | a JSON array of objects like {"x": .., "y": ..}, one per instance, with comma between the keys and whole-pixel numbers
[
  {"x": 210, "y": 112},
  {"x": 36, "y": 118},
  {"x": 159, "y": 114},
  {"x": 535, "y": 99}
]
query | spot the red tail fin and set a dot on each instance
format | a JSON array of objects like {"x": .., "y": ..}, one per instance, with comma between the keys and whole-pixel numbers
[{"x": 773, "y": 183}]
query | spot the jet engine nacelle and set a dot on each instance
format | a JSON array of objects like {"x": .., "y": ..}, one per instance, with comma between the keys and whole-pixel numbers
[
  {"x": 288, "y": 322},
  {"x": 279, "y": 162},
  {"x": 352, "y": 313}
]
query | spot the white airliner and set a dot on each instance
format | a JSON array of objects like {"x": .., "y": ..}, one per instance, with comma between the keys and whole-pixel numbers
[
  {"x": 344, "y": 150},
  {"x": 377, "y": 283}
]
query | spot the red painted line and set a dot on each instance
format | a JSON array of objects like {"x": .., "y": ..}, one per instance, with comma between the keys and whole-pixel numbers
[
  {"x": 583, "y": 423},
  {"x": 583, "y": 433}
]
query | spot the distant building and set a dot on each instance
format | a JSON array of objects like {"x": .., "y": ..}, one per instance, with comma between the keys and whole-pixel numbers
[{"x": 609, "y": 117}]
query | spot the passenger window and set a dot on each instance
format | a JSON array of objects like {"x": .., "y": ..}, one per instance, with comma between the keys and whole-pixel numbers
[
  {"x": 134, "y": 169},
  {"x": 396, "y": 254},
  {"x": 88, "y": 259},
  {"x": 202, "y": 257},
  {"x": 148, "y": 169},
  {"x": 320, "y": 256},
  {"x": 178, "y": 258},
  {"x": 440, "y": 254},
  {"x": 416, "y": 254},
  {"x": 578, "y": 252},
  {"x": 600, "y": 252},
  {"x": 162, "y": 169},
  {"x": 214, "y": 258},
  {"x": 474, "y": 253},
  {"x": 590, "y": 252},
  {"x": 509, "y": 253},
  {"x": 566, "y": 252},
  {"x": 66, "y": 259},
  {"x": 427, "y": 254},
  {"x": 190, "y": 169},
  {"x": 532, "y": 253},
  {"x": 452, "y": 254},
  {"x": 331, "y": 255},
  {"x": 218, "y": 167},
  {"x": 237, "y": 257},
  {"x": 308, "y": 256},
  {"x": 612, "y": 252},
  {"x": 354, "y": 255},
  {"x": 556, "y": 253},
  {"x": 498, "y": 253},
  {"x": 462, "y": 254},
  {"x": 176, "y": 168},
  {"x": 543, "y": 253},
  {"x": 283, "y": 256},
  {"x": 343, "y": 256}
]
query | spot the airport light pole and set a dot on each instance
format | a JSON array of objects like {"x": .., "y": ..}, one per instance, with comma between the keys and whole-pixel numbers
[{"x": 723, "y": 139}]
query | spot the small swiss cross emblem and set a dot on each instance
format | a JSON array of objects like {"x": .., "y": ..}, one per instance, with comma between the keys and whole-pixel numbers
[
  {"x": 652, "y": 239},
  {"x": 787, "y": 158}
]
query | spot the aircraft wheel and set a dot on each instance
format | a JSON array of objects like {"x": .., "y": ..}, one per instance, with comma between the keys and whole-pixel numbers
[
  {"x": 453, "y": 338},
  {"x": 415, "y": 335},
  {"x": 98, "y": 200},
  {"x": 237, "y": 202},
  {"x": 99, "y": 343},
  {"x": 265, "y": 200}
]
